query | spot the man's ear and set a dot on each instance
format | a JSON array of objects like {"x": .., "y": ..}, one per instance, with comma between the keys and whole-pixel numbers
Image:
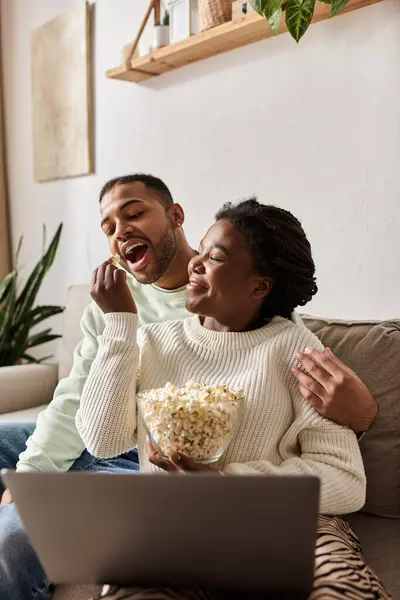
[
  {"x": 176, "y": 215},
  {"x": 262, "y": 288}
]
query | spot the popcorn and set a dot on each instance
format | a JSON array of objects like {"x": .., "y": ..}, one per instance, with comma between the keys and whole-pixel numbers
[
  {"x": 196, "y": 420},
  {"x": 116, "y": 259}
]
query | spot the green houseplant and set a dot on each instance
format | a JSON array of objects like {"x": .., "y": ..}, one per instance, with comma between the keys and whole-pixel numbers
[
  {"x": 298, "y": 13},
  {"x": 17, "y": 314}
]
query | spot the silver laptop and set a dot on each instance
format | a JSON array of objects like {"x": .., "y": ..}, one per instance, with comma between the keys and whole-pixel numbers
[{"x": 194, "y": 531}]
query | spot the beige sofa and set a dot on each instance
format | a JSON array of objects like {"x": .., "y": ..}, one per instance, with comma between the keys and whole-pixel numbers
[{"x": 372, "y": 349}]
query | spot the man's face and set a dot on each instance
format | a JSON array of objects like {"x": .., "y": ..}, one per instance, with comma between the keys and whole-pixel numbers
[{"x": 139, "y": 229}]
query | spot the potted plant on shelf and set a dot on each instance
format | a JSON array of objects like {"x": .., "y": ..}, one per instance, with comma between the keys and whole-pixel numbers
[
  {"x": 18, "y": 316},
  {"x": 161, "y": 32},
  {"x": 298, "y": 13}
]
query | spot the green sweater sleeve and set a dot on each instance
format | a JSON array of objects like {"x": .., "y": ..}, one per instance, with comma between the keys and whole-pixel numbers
[{"x": 56, "y": 444}]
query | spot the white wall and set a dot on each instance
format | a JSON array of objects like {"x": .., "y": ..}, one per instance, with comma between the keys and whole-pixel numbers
[{"x": 314, "y": 128}]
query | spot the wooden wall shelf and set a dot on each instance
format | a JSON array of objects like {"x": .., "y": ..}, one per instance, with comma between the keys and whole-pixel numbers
[{"x": 243, "y": 31}]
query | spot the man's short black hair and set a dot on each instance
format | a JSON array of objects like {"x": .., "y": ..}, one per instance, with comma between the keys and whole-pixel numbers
[{"x": 149, "y": 181}]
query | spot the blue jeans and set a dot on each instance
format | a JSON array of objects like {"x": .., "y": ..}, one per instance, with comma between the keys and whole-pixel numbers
[{"x": 21, "y": 574}]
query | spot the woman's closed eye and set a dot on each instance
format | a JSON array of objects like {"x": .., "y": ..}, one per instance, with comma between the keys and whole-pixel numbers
[{"x": 215, "y": 254}]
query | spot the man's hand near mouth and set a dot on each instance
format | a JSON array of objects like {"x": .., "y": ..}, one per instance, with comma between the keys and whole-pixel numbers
[{"x": 110, "y": 290}]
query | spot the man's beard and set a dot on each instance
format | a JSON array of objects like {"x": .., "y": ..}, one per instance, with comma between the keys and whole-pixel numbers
[{"x": 163, "y": 253}]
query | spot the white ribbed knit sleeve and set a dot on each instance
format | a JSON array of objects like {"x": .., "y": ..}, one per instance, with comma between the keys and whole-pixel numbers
[
  {"x": 327, "y": 450},
  {"x": 330, "y": 453},
  {"x": 106, "y": 419}
]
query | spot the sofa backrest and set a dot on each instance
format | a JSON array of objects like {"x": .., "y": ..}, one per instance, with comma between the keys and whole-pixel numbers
[{"x": 370, "y": 348}]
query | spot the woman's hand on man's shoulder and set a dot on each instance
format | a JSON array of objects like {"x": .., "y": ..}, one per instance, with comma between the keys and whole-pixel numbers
[{"x": 334, "y": 390}]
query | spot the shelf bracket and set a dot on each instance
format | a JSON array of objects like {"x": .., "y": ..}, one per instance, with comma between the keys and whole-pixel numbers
[{"x": 154, "y": 5}]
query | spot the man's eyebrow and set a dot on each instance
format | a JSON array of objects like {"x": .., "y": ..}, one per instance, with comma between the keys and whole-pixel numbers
[{"x": 125, "y": 204}]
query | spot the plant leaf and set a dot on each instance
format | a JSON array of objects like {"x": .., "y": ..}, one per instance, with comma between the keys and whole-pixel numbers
[
  {"x": 40, "y": 334},
  {"x": 3, "y": 338},
  {"x": 32, "y": 359},
  {"x": 45, "y": 358},
  {"x": 8, "y": 311},
  {"x": 40, "y": 313},
  {"x": 18, "y": 343},
  {"x": 32, "y": 286},
  {"x": 18, "y": 249},
  {"x": 337, "y": 5},
  {"x": 44, "y": 340},
  {"x": 41, "y": 338},
  {"x": 5, "y": 284},
  {"x": 326, "y": 1},
  {"x": 34, "y": 317},
  {"x": 259, "y": 6},
  {"x": 299, "y": 14},
  {"x": 29, "y": 358},
  {"x": 5, "y": 358},
  {"x": 266, "y": 8},
  {"x": 22, "y": 341},
  {"x": 17, "y": 317},
  {"x": 44, "y": 235},
  {"x": 274, "y": 20},
  {"x": 270, "y": 7}
]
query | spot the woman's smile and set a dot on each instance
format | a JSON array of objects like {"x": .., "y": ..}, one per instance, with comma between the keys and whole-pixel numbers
[{"x": 197, "y": 284}]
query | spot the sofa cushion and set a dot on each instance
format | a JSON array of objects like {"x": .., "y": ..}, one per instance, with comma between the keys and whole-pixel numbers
[
  {"x": 380, "y": 541},
  {"x": 29, "y": 415},
  {"x": 372, "y": 350},
  {"x": 26, "y": 386}
]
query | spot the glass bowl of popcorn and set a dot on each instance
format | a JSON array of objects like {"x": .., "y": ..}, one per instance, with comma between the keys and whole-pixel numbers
[{"x": 196, "y": 420}]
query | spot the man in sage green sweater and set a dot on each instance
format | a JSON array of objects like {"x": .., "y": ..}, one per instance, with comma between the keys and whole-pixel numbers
[{"x": 144, "y": 229}]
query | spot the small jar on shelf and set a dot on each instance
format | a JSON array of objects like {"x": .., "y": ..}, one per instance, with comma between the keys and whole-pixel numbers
[{"x": 184, "y": 19}]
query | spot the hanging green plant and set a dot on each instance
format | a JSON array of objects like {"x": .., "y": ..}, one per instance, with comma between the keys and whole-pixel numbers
[{"x": 299, "y": 13}]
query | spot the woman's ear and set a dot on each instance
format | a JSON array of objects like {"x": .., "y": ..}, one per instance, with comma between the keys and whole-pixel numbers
[
  {"x": 176, "y": 215},
  {"x": 262, "y": 288}
]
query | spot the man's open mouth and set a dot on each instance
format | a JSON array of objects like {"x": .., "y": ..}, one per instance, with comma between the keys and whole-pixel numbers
[{"x": 135, "y": 254}]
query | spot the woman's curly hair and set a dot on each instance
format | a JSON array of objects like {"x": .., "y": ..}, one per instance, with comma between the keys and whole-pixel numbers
[{"x": 281, "y": 251}]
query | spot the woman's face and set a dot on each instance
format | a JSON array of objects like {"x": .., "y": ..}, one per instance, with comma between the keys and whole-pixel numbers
[{"x": 223, "y": 282}]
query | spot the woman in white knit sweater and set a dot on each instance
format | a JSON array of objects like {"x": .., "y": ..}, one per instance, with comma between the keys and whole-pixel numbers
[{"x": 253, "y": 268}]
